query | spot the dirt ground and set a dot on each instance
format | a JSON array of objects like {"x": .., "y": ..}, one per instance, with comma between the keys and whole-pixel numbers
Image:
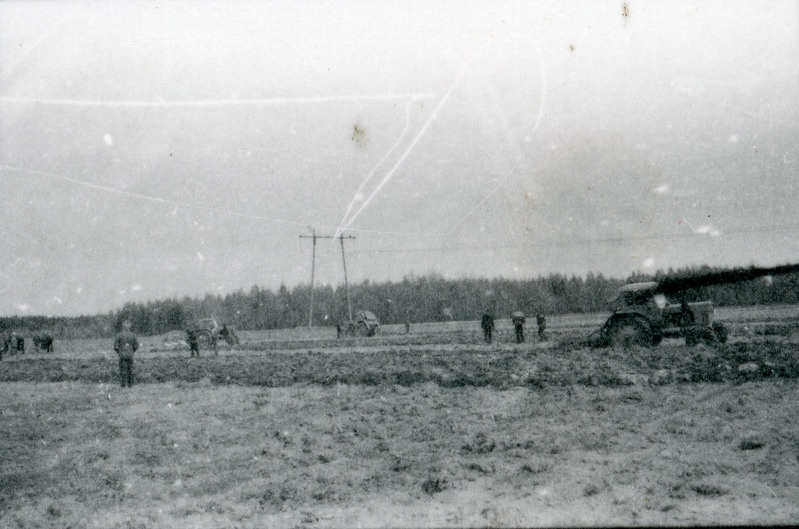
[
  {"x": 402, "y": 432},
  {"x": 202, "y": 455}
]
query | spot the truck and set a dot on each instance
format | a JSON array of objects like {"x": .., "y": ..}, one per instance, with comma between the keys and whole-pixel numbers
[{"x": 643, "y": 313}]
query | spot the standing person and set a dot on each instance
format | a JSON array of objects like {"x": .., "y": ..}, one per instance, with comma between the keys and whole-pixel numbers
[
  {"x": 6, "y": 339},
  {"x": 687, "y": 321},
  {"x": 686, "y": 314},
  {"x": 17, "y": 343},
  {"x": 224, "y": 333},
  {"x": 125, "y": 344},
  {"x": 542, "y": 325},
  {"x": 518, "y": 325},
  {"x": 487, "y": 323},
  {"x": 194, "y": 347}
]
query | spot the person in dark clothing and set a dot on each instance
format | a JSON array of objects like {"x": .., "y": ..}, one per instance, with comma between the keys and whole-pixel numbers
[
  {"x": 542, "y": 326},
  {"x": 487, "y": 323},
  {"x": 126, "y": 344},
  {"x": 43, "y": 342},
  {"x": 518, "y": 326},
  {"x": 229, "y": 335},
  {"x": 686, "y": 314},
  {"x": 6, "y": 343},
  {"x": 194, "y": 346}
]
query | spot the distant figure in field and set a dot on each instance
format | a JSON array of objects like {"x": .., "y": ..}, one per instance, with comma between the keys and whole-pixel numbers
[
  {"x": 43, "y": 342},
  {"x": 487, "y": 323},
  {"x": 518, "y": 325},
  {"x": 224, "y": 333},
  {"x": 17, "y": 343},
  {"x": 125, "y": 344},
  {"x": 542, "y": 326},
  {"x": 407, "y": 326},
  {"x": 194, "y": 346},
  {"x": 338, "y": 331},
  {"x": 6, "y": 339},
  {"x": 229, "y": 335},
  {"x": 687, "y": 321},
  {"x": 686, "y": 314}
]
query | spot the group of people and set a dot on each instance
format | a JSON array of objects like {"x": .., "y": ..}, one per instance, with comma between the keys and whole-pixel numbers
[
  {"x": 518, "y": 319},
  {"x": 13, "y": 343},
  {"x": 126, "y": 343}
]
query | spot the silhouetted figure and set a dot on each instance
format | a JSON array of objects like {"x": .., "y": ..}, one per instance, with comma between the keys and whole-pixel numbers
[
  {"x": 194, "y": 346},
  {"x": 487, "y": 323},
  {"x": 43, "y": 342},
  {"x": 125, "y": 344},
  {"x": 4, "y": 347},
  {"x": 686, "y": 314},
  {"x": 542, "y": 326},
  {"x": 518, "y": 325}
]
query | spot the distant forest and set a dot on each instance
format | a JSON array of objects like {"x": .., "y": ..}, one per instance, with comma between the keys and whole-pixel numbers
[{"x": 414, "y": 299}]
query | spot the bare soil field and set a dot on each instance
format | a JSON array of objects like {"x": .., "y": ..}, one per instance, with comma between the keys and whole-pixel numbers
[{"x": 429, "y": 429}]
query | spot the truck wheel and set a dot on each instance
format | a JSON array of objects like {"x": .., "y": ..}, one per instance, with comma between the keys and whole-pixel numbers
[
  {"x": 627, "y": 333},
  {"x": 363, "y": 329},
  {"x": 721, "y": 332}
]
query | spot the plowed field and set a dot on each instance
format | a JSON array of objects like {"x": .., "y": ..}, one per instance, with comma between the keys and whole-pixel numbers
[{"x": 419, "y": 430}]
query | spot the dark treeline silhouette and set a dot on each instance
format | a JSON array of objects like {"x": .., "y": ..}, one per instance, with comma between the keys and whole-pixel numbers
[{"x": 415, "y": 299}]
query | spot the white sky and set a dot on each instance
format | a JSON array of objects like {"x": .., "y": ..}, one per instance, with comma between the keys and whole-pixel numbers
[{"x": 154, "y": 149}]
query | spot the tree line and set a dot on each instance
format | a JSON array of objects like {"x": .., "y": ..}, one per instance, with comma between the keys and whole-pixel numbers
[{"x": 415, "y": 299}]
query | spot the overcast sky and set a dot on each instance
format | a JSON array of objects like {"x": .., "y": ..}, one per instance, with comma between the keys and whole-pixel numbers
[{"x": 161, "y": 149}]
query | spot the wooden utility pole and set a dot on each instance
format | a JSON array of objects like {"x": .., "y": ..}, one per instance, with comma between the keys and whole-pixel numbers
[
  {"x": 346, "y": 283},
  {"x": 313, "y": 269},
  {"x": 341, "y": 238}
]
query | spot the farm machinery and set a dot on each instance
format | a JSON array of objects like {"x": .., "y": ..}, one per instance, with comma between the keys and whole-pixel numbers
[
  {"x": 208, "y": 331},
  {"x": 365, "y": 323},
  {"x": 643, "y": 314}
]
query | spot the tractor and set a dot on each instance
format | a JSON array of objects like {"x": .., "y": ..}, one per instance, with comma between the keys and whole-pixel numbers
[
  {"x": 642, "y": 314},
  {"x": 364, "y": 324}
]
